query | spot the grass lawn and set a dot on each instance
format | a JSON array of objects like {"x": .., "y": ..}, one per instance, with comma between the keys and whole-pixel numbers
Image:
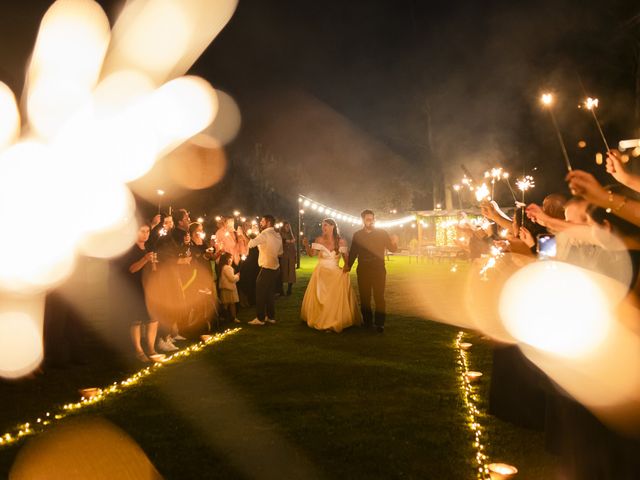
[{"x": 286, "y": 401}]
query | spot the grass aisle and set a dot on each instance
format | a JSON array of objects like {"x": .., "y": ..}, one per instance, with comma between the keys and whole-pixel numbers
[{"x": 286, "y": 401}]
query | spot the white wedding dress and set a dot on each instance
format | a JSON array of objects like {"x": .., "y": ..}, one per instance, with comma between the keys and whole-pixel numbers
[{"x": 329, "y": 302}]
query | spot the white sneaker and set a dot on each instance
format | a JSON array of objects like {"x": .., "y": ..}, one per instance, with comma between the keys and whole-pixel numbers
[
  {"x": 270, "y": 320},
  {"x": 166, "y": 346},
  {"x": 256, "y": 321},
  {"x": 178, "y": 337},
  {"x": 236, "y": 320}
]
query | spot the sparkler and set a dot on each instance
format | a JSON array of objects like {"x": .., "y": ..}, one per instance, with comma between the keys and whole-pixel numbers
[
  {"x": 495, "y": 174},
  {"x": 591, "y": 104},
  {"x": 547, "y": 100},
  {"x": 482, "y": 192},
  {"x": 456, "y": 188},
  {"x": 505, "y": 177},
  {"x": 160, "y": 195},
  {"x": 524, "y": 184}
]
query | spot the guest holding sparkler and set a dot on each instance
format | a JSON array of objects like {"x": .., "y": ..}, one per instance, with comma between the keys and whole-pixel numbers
[
  {"x": 585, "y": 184},
  {"x": 134, "y": 267},
  {"x": 227, "y": 239}
]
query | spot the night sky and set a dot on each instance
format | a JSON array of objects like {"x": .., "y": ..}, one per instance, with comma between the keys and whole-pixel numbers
[{"x": 354, "y": 102}]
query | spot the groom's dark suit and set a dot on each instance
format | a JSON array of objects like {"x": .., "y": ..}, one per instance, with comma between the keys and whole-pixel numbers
[{"x": 368, "y": 247}]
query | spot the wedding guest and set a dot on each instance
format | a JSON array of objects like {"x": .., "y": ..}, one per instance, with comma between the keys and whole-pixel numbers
[
  {"x": 269, "y": 243},
  {"x": 228, "y": 290},
  {"x": 134, "y": 267},
  {"x": 164, "y": 292},
  {"x": 227, "y": 239},
  {"x": 288, "y": 258}
]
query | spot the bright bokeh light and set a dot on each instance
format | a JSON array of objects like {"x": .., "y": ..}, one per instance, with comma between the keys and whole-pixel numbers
[
  {"x": 52, "y": 245},
  {"x": 99, "y": 116},
  {"x": 181, "y": 108},
  {"x": 9, "y": 117},
  {"x": 111, "y": 242},
  {"x": 21, "y": 348},
  {"x": 164, "y": 38},
  {"x": 66, "y": 63},
  {"x": 547, "y": 99},
  {"x": 556, "y": 307},
  {"x": 154, "y": 39},
  {"x": 482, "y": 192},
  {"x": 227, "y": 123}
]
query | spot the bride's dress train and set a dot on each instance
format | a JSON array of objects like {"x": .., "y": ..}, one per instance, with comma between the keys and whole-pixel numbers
[{"x": 329, "y": 302}]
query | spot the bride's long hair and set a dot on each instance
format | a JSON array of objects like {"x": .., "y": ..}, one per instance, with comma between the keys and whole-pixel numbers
[{"x": 336, "y": 232}]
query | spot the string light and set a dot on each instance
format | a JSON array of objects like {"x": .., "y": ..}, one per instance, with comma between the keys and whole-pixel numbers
[
  {"x": 353, "y": 220},
  {"x": 116, "y": 388},
  {"x": 473, "y": 414}
]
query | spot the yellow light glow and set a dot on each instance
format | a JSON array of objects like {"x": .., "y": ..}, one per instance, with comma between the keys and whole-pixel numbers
[
  {"x": 162, "y": 38},
  {"x": 9, "y": 117},
  {"x": 30, "y": 160},
  {"x": 547, "y": 99},
  {"x": 116, "y": 388},
  {"x": 591, "y": 103},
  {"x": 482, "y": 192},
  {"x": 180, "y": 109},
  {"x": 599, "y": 159},
  {"x": 21, "y": 349},
  {"x": 227, "y": 123},
  {"x": 66, "y": 63},
  {"x": 112, "y": 241},
  {"x": 556, "y": 322}
]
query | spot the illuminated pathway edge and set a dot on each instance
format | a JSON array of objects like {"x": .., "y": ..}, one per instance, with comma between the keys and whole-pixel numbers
[
  {"x": 49, "y": 418},
  {"x": 470, "y": 397}
]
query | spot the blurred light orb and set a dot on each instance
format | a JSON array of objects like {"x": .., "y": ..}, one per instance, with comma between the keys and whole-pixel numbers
[
  {"x": 555, "y": 307},
  {"x": 106, "y": 204},
  {"x": 66, "y": 63},
  {"x": 181, "y": 108},
  {"x": 120, "y": 90},
  {"x": 72, "y": 39},
  {"x": 110, "y": 242},
  {"x": 9, "y": 117},
  {"x": 227, "y": 123},
  {"x": 21, "y": 349},
  {"x": 153, "y": 36},
  {"x": 198, "y": 163}
]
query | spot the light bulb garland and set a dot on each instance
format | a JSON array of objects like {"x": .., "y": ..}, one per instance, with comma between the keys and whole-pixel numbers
[
  {"x": 313, "y": 206},
  {"x": 44, "y": 421},
  {"x": 470, "y": 397}
]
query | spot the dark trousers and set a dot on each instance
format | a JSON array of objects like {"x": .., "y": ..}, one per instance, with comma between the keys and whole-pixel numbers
[
  {"x": 266, "y": 285},
  {"x": 372, "y": 278}
]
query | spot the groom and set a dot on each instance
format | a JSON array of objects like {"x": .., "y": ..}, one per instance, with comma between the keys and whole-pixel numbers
[{"x": 368, "y": 246}]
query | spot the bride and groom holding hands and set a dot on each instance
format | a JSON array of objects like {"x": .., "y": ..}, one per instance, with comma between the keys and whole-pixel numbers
[{"x": 329, "y": 302}]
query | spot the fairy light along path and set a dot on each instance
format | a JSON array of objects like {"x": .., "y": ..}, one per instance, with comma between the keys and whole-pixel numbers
[
  {"x": 49, "y": 418},
  {"x": 472, "y": 413}
]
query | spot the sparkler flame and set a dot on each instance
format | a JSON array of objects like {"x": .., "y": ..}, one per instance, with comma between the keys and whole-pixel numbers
[
  {"x": 525, "y": 183},
  {"x": 482, "y": 192},
  {"x": 547, "y": 99},
  {"x": 591, "y": 103}
]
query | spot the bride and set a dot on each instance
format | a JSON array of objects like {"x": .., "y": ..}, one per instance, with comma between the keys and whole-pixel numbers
[{"x": 329, "y": 302}]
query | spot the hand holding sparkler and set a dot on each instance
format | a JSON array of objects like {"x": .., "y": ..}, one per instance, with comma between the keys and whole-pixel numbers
[
  {"x": 526, "y": 237},
  {"x": 617, "y": 169},
  {"x": 584, "y": 184},
  {"x": 536, "y": 214}
]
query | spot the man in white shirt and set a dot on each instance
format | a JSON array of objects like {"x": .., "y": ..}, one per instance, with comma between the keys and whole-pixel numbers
[{"x": 269, "y": 243}]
